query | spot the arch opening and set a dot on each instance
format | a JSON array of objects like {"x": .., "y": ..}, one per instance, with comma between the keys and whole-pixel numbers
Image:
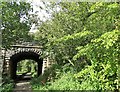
[
  {"x": 22, "y": 56},
  {"x": 26, "y": 69}
]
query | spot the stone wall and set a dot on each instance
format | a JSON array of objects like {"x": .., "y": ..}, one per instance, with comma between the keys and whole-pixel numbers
[{"x": 5, "y": 63}]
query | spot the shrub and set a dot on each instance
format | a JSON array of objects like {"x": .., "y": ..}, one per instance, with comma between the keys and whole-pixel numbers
[
  {"x": 103, "y": 53},
  {"x": 8, "y": 85},
  {"x": 58, "y": 78}
]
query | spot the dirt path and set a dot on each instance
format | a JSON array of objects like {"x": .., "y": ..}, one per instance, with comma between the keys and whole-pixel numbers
[{"x": 23, "y": 86}]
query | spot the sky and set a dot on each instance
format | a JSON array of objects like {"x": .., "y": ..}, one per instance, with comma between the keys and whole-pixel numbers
[{"x": 42, "y": 15}]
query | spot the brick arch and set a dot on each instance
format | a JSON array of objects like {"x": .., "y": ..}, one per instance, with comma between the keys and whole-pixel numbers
[{"x": 22, "y": 55}]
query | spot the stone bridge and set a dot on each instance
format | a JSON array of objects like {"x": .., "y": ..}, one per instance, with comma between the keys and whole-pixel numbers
[{"x": 21, "y": 52}]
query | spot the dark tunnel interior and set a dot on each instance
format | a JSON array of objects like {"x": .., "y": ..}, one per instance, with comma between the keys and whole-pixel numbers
[{"x": 14, "y": 59}]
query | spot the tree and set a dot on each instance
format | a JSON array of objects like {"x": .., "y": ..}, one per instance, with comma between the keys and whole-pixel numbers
[
  {"x": 88, "y": 32},
  {"x": 15, "y": 22}
]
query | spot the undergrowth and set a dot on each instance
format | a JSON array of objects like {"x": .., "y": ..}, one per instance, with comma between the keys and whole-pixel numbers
[{"x": 8, "y": 85}]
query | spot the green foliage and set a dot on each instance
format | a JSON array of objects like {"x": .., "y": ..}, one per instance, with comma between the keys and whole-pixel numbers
[
  {"x": 103, "y": 53},
  {"x": 87, "y": 34},
  {"x": 48, "y": 75},
  {"x": 84, "y": 38},
  {"x": 65, "y": 82},
  {"x": 26, "y": 66},
  {"x": 63, "y": 33},
  {"x": 8, "y": 85},
  {"x": 15, "y": 22},
  {"x": 62, "y": 78},
  {"x": 108, "y": 41}
]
